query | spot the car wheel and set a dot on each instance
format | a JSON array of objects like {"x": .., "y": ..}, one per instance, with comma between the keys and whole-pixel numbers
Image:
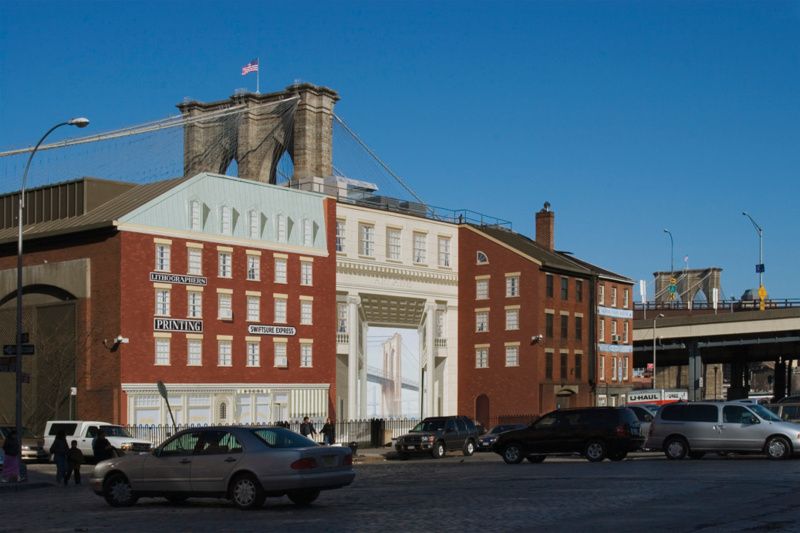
[
  {"x": 469, "y": 448},
  {"x": 595, "y": 451},
  {"x": 303, "y": 497},
  {"x": 618, "y": 456},
  {"x": 512, "y": 454},
  {"x": 246, "y": 492},
  {"x": 778, "y": 448},
  {"x": 536, "y": 458},
  {"x": 177, "y": 500},
  {"x": 696, "y": 455},
  {"x": 118, "y": 492},
  {"x": 438, "y": 450},
  {"x": 675, "y": 448}
]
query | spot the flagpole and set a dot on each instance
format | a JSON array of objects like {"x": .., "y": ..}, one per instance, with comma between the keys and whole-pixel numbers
[{"x": 258, "y": 87}]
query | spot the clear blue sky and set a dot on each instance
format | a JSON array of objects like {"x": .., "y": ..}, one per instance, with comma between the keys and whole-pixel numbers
[{"x": 629, "y": 117}]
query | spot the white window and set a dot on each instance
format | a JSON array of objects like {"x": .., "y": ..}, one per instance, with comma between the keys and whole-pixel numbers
[
  {"x": 481, "y": 258},
  {"x": 253, "y": 267},
  {"x": 393, "y": 244},
  {"x": 613, "y": 368},
  {"x": 512, "y": 286},
  {"x": 225, "y": 306},
  {"x": 512, "y": 319},
  {"x": 280, "y": 355},
  {"x": 624, "y": 362},
  {"x": 601, "y": 294},
  {"x": 439, "y": 324},
  {"x": 481, "y": 357},
  {"x": 602, "y": 371},
  {"x": 481, "y": 289},
  {"x": 226, "y": 220},
  {"x": 163, "y": 257},
  {"x": 613, "y": 296},
  {"x": 194, "y": 258},
  {"x": 366, "y": 240},
  {"x": 512, "y": 355},
  {"x": 308, "y": 232},
  {"x": 306, "y": 355},
  {"x": 306, "y": 312},
  {"x": 341, "y": 318},
  {"x": 253, "y": 354},
  {"x": 162, "y": 351},
  {"x": 280, "y": 310},
  {"x": 195, "y": 215},
  {"x": 254, "y": 224},
  {"x": 195, "y": 304},
  {"x": 162, "y": 302},
  {"x": 340, "y": 235},
  {"x": 280, "y": 226},
  {"x": 253, "y": 308},
  {"x": 306, "y": 273},
  {"x": 194, "y": 352},
  {"x": 225, "y": 265},
  {"x": 224, "y": 353},
  {"x": 625, "y": 332},
  {"x": 613, "y": 328},
  {"x": 481, "y": 321},
  {"x": 280, "y": 270},
  {"x": 420, "y": 247},
  {"x": 601, "y": 330},
  {"x": 444, "y": 251},
  {"x": 625, "y": 297}
]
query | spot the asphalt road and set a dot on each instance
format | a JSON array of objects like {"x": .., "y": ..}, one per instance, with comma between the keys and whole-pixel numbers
[{"x": 457, "y": 493}]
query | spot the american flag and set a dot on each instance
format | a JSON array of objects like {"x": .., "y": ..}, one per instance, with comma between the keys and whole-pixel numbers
[{"x": 252, "y": 66}]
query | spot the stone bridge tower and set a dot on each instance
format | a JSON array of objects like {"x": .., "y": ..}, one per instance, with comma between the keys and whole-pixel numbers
[
  {"x": 300, "y": 121},
  {"x": 689, "y": 283}
]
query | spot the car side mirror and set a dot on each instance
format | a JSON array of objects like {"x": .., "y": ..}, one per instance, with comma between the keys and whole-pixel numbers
[{"x": 753, "y": 420}]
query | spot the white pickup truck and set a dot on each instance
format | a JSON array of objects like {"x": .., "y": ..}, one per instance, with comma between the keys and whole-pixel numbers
[{"x": 85, "y": 432}]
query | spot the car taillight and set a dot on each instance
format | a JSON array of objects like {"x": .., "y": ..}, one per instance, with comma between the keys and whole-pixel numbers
[
  {"x": 348, "y": 459},
  {"x": 622, "y": 430},
  {"x": 304, "y": 464}
]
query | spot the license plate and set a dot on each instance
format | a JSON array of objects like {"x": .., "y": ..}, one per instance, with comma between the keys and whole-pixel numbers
[
  {"x": 329, "y": 460},
  {"x": 411, "y": 447}
]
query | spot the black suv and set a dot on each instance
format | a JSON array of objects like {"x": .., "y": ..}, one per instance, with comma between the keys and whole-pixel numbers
[
  {"x": 438, "y": 435},
  {"x": 594, "y": 432}
]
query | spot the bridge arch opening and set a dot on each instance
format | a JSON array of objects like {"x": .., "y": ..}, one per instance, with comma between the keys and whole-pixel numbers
[
  {"x": 392, "y": 372},
  {"x": 39, "y": 293}
]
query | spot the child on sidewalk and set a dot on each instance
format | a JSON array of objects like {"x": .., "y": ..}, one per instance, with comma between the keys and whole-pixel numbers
[{"x": 75, "y": 458}]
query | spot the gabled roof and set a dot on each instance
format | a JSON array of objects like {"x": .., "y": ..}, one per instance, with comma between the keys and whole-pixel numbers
[
  {"x": 549, "y": 260},
  {"x": 601, "y": 272}
]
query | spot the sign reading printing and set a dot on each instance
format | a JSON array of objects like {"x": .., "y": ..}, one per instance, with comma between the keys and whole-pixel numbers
[
  {"x": 182, "y": 279},
  {"x": 261, "y": 329},
  {"x": 177, "y": 324}
]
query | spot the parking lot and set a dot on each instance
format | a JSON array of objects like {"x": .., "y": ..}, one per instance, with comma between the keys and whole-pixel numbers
[{"x": 645, "y": 492}]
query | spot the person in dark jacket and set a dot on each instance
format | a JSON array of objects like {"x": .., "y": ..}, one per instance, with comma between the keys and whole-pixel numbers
[
  {"x": 328, "y": 432},
  {"x": 75, "y": 458},
  {"x": 59, "y": 451},
  {"x": 11, "y": 462},
  {"x": 101, "y": 448},
  {"x": 307, "y": 428}
]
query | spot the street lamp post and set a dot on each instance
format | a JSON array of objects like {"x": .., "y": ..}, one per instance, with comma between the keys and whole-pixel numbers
[
  {"x": 660, "y": 315},
  {"x": 762, "y": 293},
  {"x": 79, "y": 122}
]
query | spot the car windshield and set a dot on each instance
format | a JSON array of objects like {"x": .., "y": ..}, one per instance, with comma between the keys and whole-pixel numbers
[
  {"x": 115, "y": 431},
  {"x": 429, "y": 425},
  {"x": 765, "y": 413},
  {"x": 282, "y": 438},
  {"x": 26, "y": 433}
]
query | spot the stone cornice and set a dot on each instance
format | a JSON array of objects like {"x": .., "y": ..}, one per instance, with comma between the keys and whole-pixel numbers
[
  {"x": 376, "y": 269},
  {"x": 220, "y": 388}
]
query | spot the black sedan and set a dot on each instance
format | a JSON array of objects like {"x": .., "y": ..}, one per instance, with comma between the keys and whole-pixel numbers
[{"x": 486, "y": 440}]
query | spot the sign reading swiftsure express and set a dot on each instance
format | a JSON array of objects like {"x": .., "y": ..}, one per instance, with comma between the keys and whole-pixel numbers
[
  {"x": 260, "y": 329},
  {"x": 177, "y": 324},
  {"x": 182, "y": 279}
]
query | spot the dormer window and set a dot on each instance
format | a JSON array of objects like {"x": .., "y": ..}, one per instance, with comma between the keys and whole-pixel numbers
[
  {"x": 254, "y": 224},
  {"x": 308, "y": 232},
  {"x": 481, "y": 258},
  {"x": 280, "y": 223},
  {"x": 195, "y": 215},
  {"x": 226, "y": 220}
]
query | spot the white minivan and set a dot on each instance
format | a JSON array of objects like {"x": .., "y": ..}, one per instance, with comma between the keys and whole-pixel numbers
[
  {"x": 84, "y": 432},
  {"x": 681, "y": 429}
]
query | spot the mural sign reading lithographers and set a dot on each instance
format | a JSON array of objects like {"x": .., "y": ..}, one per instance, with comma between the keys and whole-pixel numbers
[
  {"x": 177, "y": 324},
  {"x": 182, "y": 279},
  {"x": 261, "y": 329}
]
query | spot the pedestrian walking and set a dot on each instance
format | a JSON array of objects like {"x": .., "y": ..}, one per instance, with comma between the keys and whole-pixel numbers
[
  {"x": 101, "y": 448},
  {"x": 59, "y": 451},
  {"x": 11, "y": 462},
  {"x": 328, "y": 432},
  {"x": 307, "y": 428},
  {"x": 75, "y": 458}
]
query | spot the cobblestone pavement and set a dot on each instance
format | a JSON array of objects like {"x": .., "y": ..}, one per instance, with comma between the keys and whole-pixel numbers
[{"x": 457, "y": 493}]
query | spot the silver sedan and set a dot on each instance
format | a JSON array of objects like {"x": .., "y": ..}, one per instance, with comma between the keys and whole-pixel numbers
[{"x": 243, "y": 464}]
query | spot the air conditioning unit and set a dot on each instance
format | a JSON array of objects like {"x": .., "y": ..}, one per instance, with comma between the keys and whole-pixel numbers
[{"x": 615, "y": 338}]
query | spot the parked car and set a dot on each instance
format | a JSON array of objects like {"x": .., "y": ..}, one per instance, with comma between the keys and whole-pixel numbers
[
  {"x": 438, "y": 435},
  {"x": 243, "y": 464},
  {"x": 85, "y": 432},
  {"x": 696, "y": 428},
  {"x": 788, "y": 412},
  {"x": 593, "y": 432},
  {"x": 32, "y": 446},
  {"x": 486, "y": 440}
]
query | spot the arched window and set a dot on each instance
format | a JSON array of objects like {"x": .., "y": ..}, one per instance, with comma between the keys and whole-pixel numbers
[
  {"x": 481, "y": 258},
  {"x": 223, "y": 411}
]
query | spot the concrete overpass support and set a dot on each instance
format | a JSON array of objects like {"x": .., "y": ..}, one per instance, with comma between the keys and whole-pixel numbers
[
  {"x": 696, "y": 385},
  {"x": 779, "y": 380}
]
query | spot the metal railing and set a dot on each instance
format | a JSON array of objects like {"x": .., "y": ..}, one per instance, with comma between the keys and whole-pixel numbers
[{"x": 730, "y": 306}]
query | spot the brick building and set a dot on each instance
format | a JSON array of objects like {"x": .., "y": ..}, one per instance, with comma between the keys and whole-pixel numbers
[{"x": 216, "y": 284}]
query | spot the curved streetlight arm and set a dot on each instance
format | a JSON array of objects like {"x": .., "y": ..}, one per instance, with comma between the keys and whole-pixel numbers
[
  {"x": 755, "y": 224},
  {"x": 28, "y": 164},
  {"x": 671, "y": 251}
]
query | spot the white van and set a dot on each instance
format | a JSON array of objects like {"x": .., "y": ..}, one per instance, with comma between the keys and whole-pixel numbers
[{"x": 85, "y": 432}]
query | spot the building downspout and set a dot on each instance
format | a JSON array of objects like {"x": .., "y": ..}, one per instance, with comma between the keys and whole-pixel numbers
[{"x": 593, "y": 337}]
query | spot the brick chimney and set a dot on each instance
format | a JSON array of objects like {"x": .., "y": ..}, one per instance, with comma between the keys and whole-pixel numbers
[{"x": 545, "y": 222}]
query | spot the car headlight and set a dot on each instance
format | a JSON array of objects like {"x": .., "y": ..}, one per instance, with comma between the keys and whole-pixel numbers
[{"x": 126, "y": 446}]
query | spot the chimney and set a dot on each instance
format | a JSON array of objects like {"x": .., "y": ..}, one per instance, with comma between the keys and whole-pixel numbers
[{"x": 545, "y": 222}]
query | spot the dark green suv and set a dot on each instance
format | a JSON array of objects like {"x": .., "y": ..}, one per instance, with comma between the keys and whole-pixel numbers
[{"x": 438, "y": 435}]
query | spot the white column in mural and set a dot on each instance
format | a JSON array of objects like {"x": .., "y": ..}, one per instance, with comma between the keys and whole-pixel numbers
[
  {"x": 353, "y": 323},
  {"x": 363, "y": 373},
  {"x": 427, "y": 354}
]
